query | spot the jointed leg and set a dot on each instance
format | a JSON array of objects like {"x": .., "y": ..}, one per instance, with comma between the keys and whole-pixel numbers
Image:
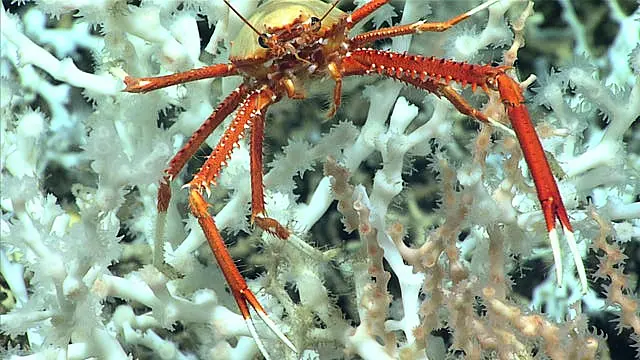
[
  {"x": 362, "y": 12},
  {"x": 249, "y": 114},
  {"x": 137, "y": 85},
  {"x": 251, "y": 110},
  {"x": 196, "y": 140},
  {"x": 417, "y": 27},
  {"x": 223, "y": 110},
  {"x": 176, "y": 164},
  {"x": 466, "y": 109},
  {"x": 433, "y": 75},
  {"x": 258, "y": 210},
  {"x": 243, "y": 295},
  {"x": 337, "y": 90},
  {"x": 146, "y": 84}
]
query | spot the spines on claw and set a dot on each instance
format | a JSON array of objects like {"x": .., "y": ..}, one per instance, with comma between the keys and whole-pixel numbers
[
  {"x": 434, "y": 74},
  {"x": 198, "y": 137}
]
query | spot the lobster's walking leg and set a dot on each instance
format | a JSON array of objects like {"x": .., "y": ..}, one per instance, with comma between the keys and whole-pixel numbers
[
  {"x": 176, "y": 164},
  {"x": 146, "y": 84},
  {"x": 196, "y": 140},
  {"x": 250, "y": 110},
  {"x": 365, "y": 10},
  {"x": 230, "y": 103},
  {"x": 258, "y": 210},
  {"x": 434, "y": 75},
  {"x": 417, "y": 27},
  {"x": 210, "y": 170},
  {"x": 334, "y": 71},
  {"x": 546, "y": 187}
]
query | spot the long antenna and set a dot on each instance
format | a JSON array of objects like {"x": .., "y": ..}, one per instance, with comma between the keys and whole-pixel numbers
[
  {"x": 243, "y": 18},
  {"x": 335, "y": 3}
]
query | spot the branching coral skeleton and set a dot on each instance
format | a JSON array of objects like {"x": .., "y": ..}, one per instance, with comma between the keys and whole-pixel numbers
[{"x": 486, "y": 200}]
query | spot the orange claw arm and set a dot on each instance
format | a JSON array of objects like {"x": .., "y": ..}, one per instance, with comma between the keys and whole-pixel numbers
[
  {"x": 146, "y": 84},
  {"x": 250, "y": 110},
  {"x": 546, "y": 187},
  {"x": 362, "y": 12},
  {"x": 433, "y": 75}
]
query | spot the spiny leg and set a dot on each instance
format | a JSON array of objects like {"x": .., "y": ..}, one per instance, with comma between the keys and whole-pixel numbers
[
  {"x": 425, "y": 72},
  {"x": 258, "y": 210},
  {"x": 250, "y": 110},
  {"x": 417, "y": 27},
  {"x": 146, "y": 84},
  {"x": 180, "y": 159},
  {"x": 242, "y": 294},
  {"x": 465, "y": 108},
  {"x": 365, "y": 10},
  {"x": 226, "y": 107}
]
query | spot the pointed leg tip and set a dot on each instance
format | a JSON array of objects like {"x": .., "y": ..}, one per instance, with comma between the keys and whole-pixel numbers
[
  {"x": 251, "y": 300},
  {"x": 481, "y": 7},
  {"x": 577, "y": 258},
  {"x": 256, "y": 337},
  {"x": 272, "y": 326},
  {"x": 500, "y": 126},
  {"x": 557, "y": 254}
]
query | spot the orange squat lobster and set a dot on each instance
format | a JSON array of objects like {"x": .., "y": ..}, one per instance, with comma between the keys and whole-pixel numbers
[{"x": 300, "y": 40}]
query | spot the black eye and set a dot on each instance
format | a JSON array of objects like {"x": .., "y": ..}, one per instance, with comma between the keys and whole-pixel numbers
[
  {"x": 262, "y": 40},
  {"x": 315, "y": 23}
]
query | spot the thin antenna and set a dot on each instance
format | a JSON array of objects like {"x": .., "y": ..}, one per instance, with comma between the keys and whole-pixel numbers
[
  {"x": 335, "y": 3},
  {"x": 242, "y": 18}
]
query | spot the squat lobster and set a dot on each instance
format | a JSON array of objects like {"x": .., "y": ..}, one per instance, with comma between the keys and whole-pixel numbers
[{"x": 288, "y": 42}]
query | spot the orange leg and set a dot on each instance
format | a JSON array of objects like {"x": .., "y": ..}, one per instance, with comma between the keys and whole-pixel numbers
[
  {"x": 417, "y": 27},
  {"x": 433, "y": 74},
  {"x": 362, "y": 12},
  {"x": 337, "y": 90},
  {"x": 189, "y": 149},
  {"x": 250, "y": 113},
  {"x": 230, "y": 103},
  {"x": 351, "y": 67},
  {"x": 242, "y": 294},
  {"x": 258, "y": 210},
  {"x": 146, "y": 84},
  {"x": 176, "y": 164}
]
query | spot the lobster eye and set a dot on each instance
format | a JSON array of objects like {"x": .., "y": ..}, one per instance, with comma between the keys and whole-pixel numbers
[
  {"x": 315, "y": 23},
  {"x": 262, "y": 40}
]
